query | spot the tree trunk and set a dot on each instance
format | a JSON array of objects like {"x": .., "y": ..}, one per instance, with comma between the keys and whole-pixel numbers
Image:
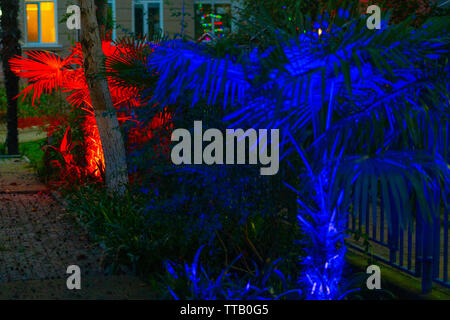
[
  {"x": 116, "y": 174},
  {"x": 102, "y": 17},
  {"x": 10, "y": 36}
]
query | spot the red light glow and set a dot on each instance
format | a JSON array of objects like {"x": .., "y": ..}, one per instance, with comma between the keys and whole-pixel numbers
[{"x": 47, "y": 72}]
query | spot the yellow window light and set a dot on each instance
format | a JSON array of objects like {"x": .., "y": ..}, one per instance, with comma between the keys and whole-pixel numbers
[
  {"x": 32, "y": 23},
  {"x": 48, "y": 28},
  {"x": 41, "y": 25}
]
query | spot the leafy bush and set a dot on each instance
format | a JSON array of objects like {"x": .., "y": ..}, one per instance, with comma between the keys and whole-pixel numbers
[
  {"x": 65, "y": 150},
  {"x": 148, "y": 226},
  {"x": 50, "y": 105},
  {"x": 133, "y": 238},
  {"x": 194, "y": 282}
]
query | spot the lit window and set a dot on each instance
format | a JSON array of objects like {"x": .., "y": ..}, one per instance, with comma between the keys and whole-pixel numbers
[
  {"x": 40, "y": 21},
  {"x": 147, "y": 17}
]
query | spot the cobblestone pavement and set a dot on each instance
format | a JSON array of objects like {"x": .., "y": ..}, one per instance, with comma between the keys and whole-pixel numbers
[
  {"x": 27, "y": 134},
  {"x": 17, "y": 177},
  {"x": 39, "y": 240}
]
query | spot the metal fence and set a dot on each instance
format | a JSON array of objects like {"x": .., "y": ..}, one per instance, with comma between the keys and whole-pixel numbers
[{"x": 421, "y": 249}]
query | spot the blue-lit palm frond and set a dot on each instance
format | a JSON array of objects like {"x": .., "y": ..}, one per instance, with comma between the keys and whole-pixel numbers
[
  {"x": 184, "y": 70},
  {"x": 366, "y": 110},
  {"x": 394, "y": 178}
]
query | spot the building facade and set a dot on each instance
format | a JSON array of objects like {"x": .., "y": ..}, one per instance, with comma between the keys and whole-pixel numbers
[
  {"x": 43, "y": 26},
  {"x": 43, "y": 22}
]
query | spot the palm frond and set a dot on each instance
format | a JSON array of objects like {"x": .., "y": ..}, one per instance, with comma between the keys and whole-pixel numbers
[{"x": 44, "y": 71}]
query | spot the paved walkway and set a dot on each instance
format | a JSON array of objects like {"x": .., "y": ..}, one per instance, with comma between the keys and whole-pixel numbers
[
  {"x": 25, "y": 135},
  {"x": 38, "y": 241}
]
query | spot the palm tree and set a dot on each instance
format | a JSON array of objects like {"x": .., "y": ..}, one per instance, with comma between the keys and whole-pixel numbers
[
  {"x": 364, "y": 116},
  {"x": 10, "y": 35}
]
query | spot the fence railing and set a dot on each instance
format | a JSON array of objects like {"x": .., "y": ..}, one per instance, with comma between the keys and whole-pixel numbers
[{"x": 421, "y": 249}]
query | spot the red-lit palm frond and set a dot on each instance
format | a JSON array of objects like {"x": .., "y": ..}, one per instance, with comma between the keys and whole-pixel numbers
[
  {"x": 124, "y": 96},
  {"x": 75, "y": 82},
  {"x": 108, "y": 49},
  {"x": 44, "y": 70},
  {"x": 69, "y": 168},
  {"x": 126, "y": 65},
  {"x": 65, "y": 148},
  {"x": 132, "y": 49},
  {"x": 77, "y": 54}
]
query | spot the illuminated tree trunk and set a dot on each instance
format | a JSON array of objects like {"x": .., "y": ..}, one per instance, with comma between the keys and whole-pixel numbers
[
  {"x": 10, "y": 36},
  {"x": 116, "y": 174}
]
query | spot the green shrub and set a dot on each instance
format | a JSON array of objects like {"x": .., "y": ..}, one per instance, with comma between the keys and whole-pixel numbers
[
  {"x": 49, "y": 105},
  {"x": 133, "y": 237},
  {"x": 143, "y": 229}
]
